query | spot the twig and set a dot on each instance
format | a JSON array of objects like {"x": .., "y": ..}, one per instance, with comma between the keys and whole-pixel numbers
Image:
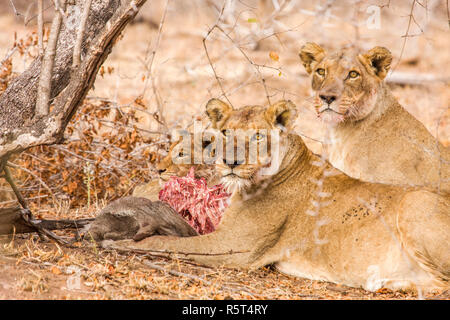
[
  {"x": 176, "y": 273},
  {"x": 26, "y": 213},
  {"x": 40, "y": 27},
  {"x": 45, "y": 79},
  {"x": 168, "y": 252},
  {"x": 406, "y": 35},
  {"x": 16, "y": 13},
  {"x": 61, "y": 8},
  {"x": 149, "y": 67},
  {"x": 79, "y": 40},
  {"x": 12, "y": 222},
  {"x": 10, "y": 180},
  {"x": 448, "y": 15},
  {"x": 208, "y": 57},
  {"x": 149, "y": 74},
  {"x": 255, "y": 65},
  {"x": 31, "y": 198},
  {"x": 8, "y": 55},
  {"x": 35, "y": 16},
  {"x": 194, "y": 277},
  {"x": 9, "y": 164},
  {"x": 28, "y": 218}
]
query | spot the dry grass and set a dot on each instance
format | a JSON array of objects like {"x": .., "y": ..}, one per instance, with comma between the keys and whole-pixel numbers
[{"x": 31, "y": 269}]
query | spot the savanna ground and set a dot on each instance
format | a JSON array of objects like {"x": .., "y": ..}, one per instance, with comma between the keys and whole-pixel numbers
[{"x": 157, "y": 80}]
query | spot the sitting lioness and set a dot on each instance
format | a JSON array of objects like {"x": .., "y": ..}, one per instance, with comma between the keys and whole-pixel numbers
[
  {"x": 372, "y": 137},
  {"x": 309, "y": 219},
  {"x": 167, "y": 168}
]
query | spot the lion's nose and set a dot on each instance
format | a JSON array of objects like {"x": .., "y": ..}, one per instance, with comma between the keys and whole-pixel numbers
[
  {"x": 327, "y": 99},
  {"x": 161, "y": 171},
  {"x": 231, "y": 165}
]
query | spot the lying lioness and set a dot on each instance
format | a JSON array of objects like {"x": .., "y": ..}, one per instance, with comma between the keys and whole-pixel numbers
[
  {"x": 372, "y": 137},
  {"x": 168, "y": 168},
  {"x": 312, "y": 221}
]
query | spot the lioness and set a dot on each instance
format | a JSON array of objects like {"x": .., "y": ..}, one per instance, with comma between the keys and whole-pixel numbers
[
  {"x": 372, "y": 137},
  {"x": 167, "y": 168},
  {"x": 313, "y": 221}
]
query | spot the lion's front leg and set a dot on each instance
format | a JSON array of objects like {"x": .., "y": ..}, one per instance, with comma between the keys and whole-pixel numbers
[
  {"x": 243, "y": 239},
  {"x": 213, "y": 249}
]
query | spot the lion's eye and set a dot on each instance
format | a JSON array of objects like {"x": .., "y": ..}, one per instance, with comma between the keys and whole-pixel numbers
[
  {"x": 224, "y": 132},
  {"x": 181, "y": 154},
  {"x": 353, "y": 74},
  {"x": 258, "y": 136},
  {"x": 320, "y": 71}
]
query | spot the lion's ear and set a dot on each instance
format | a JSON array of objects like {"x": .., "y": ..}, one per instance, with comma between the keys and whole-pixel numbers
[
  {"x": 379, "y": 60},
  {"x": 281, "y": 114},
  {"x": 311, "y": 54},
  {"x": 217, "y": 111}
]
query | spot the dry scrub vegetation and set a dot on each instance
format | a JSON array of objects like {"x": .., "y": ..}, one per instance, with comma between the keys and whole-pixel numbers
[{"x": 159, "y": 78}]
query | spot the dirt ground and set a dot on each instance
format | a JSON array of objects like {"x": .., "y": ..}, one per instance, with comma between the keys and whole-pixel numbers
[
  {"x": 34, "y": 269},
  {"x": 30, "y": 269}
]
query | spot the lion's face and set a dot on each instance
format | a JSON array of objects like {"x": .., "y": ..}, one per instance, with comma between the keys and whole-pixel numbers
[
  {"x": 177, "y": 164},
  {"x": 252, "y": 141},
  {"x": 345, "y": 83}
]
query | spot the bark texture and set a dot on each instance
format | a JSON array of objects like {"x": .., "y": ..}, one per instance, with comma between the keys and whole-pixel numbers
[
  {"x": 11, "y": 221},
  {"x": 20, "y": 128}
]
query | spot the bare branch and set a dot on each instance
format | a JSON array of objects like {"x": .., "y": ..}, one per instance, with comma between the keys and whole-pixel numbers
[
  {"x": 9, "y": 164},
  {"x": 10, "y": 180},
  {"x": 61, "y": 8},
  {"x": 8, "y": 55},
  {"x": 448, "y": 15},
  {"x": 150, "y": 75},
  {"x": 117, "y": 245},
  {"x": 406, "y": 35},
  {"x": 79, "y": 40},
  {"x": 16, "y": 13},
  {"x": 255, "y": 65},
  {"x": 45, "y": 79},
  {"x": 69, "y": 88},
  {"x": 208, "y": 57},
  {"x": 40, "y": 27},
  {"x": 176, "y": 273},
  {"x": 149, "y": 67},
  {"x": 12, "y": 222}
]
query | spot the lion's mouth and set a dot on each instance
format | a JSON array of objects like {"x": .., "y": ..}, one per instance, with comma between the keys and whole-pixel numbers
[
  {"x": 327, "y": 109},
  {"x": 165, "y": 177},
  {"x": 233, "y": 182},
  {"x": 232, "y": 175}
]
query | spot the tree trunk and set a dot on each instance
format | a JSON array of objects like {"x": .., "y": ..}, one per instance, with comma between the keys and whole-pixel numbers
[
  {"x": 19, "y": 127},
  {"x": 11, "y": 221}
]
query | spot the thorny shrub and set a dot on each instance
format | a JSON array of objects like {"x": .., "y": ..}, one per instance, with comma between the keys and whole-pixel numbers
[{"x": 104, "y": 156}]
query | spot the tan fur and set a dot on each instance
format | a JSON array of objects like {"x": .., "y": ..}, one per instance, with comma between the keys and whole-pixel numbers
[
  {"x": 365, "y": 235},
  {"x": 372, "y": 137},
  {"x": 149, "y": 190}
]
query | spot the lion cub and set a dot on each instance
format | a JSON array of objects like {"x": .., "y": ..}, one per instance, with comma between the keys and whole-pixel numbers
[
  {"x": 167, "y": 168},
  {"x": 372, "y": 137}
]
